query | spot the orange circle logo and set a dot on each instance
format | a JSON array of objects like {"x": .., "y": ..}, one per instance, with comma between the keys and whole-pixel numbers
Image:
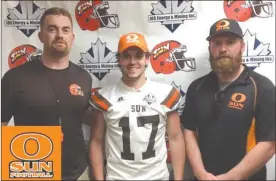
[
  {"x": 31, "y": 146},
  {"x": 238, "y": 97},
  {"x": 223, "y": 24},
  {"x": 132, "y": 38},
  {"x": 75, "y": 90}
]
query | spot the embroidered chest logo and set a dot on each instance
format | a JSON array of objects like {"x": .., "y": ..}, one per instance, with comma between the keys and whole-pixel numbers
[
  {"x": 237, "y": 101},
  {"x": 120, "y": 99},
  {"x": 75, "y": 90},
  {"x": 150, "y": 98}
]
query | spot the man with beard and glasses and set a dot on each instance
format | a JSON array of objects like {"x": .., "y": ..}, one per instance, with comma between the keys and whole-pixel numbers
[
  {"x": 229, "y": 114},
  {"x": 131, "y": 120},
  {"x": 50, "y": 90}
]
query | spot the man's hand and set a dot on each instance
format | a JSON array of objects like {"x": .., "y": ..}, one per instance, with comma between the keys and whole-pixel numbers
[
  {"x": 207, "y": 176},
  {"x": 225, "y": 176}
]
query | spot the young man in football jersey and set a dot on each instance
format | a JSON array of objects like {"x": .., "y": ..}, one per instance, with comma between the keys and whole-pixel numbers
[{"x": 131, "y": 119}]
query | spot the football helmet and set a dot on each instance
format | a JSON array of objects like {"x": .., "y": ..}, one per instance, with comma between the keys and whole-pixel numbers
[
  {"x": 75, "y": 90},
  {"x": 92, "y": 15},
  {"x": 243, "y": 10},
  {"x": 168, "y": 57},
  {"x": 22, "y": 54}
]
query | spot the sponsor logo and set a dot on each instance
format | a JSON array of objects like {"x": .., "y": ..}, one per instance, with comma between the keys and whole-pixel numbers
[
  {"x": 98, "y": 60},
  {"x": 245, "y": 10},
  {"x": 150, "y": 98},
  {"x": 172, "y": 13},
  {"x": 120, "y": 99},
  {"x": 25, "y": 17},
  {"x": 22, "y": 54},
  {"x": 256, "y": 52},
  {"x": 169, "y": 56},
  {"x": 75, "y": 90},
  {"x": 31, "y": 153},
  {"x": 222, "y": 25},
  {"x": 93, "y": 15},
  {"x": 237, "y": 101}
]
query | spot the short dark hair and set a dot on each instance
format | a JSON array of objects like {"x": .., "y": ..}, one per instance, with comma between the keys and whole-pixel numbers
[{"x": 55, "y": 11}]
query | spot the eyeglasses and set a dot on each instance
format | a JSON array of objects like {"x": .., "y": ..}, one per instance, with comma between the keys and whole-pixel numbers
[{"x": 217, "y": 103}]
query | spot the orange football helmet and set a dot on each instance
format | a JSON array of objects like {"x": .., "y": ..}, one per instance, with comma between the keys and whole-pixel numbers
[
  {"x": 243, "y": 10},
  {"x": 168, "y": 57},
  {"x": 92, "y": 15},
  {"x": 22, "y": 54}
]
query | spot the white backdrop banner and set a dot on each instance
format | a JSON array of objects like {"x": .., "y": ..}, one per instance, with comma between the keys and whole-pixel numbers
[{"x": 175, "y": 30}]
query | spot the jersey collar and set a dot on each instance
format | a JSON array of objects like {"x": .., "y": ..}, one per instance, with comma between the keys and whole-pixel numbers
[{"x": 123, "y": 86}]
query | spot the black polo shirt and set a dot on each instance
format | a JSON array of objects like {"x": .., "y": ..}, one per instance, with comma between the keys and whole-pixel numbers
[
  {"x": 31, "y": 93},
  {"x": 225, "y": 121}
]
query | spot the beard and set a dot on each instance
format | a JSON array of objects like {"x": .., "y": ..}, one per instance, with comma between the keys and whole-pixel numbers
[
  {"x": 225, "y": 63},
  {"x": 59, "y": 50}
]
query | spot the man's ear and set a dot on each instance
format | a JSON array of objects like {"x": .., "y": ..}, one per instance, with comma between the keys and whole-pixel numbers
[
  {"x": 40, "y": 36},
  {"x": 118, "y": 59},
  {"x": 147, "y": 60},
  {"x": 243, "y": 46},
  {"x": 73, "y": 36}
]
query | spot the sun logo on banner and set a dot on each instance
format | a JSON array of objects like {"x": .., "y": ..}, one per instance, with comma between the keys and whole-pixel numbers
[{"x": 31, "y": 152}]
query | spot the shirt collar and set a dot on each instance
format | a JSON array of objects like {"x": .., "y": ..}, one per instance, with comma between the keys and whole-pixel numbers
[
  {"x": 242, "y": 79},
  {"x": 123, "y": 86}
]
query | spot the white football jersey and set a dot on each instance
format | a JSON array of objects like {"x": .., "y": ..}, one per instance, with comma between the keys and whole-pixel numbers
[{"x": 135, "y": 145}]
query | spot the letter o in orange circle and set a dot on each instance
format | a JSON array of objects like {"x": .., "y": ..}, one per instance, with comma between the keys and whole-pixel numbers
[
  {"x": 132, "y": 37},
  {"x": 222, "y": 24},
  {"x": 238, "y": 97},
  {"x": 31, "y": 146}
]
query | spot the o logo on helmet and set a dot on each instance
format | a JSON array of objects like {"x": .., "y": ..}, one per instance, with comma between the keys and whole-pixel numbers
[
  {"x": 75, "y": 90},
  {"x": 132, "y": 38},
  {"x": 31, "y": 146},
  {"x": 223, "y": 24}
]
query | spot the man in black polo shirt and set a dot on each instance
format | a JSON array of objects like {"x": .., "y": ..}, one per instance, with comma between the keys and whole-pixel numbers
[
  {"x": 229, "y": 114},
  {"x": 51, "y": 90}
]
